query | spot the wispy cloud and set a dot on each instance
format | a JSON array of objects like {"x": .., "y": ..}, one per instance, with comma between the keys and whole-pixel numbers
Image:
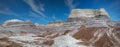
[
  {"x": 114, "y": 5},
  {"x": 32, "y": 14},
  {"x": 70, "y": 4},
  {"x": 37, "y": 9},
  {"x": 54, "y": 17},
  {"x": 41, "y": 7},
  {"x": 7, "y": 11},
  {"x": 66, "y": 14},
  {"x": 35, "y": 15}
]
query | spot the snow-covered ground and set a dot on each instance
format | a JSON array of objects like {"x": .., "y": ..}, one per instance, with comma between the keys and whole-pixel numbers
[
  {"x": 27, "y": 37},
  {"x": 61, "y": 41}
]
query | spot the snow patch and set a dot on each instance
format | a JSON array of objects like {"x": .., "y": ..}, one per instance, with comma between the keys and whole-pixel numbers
[{"x": 66, "y": 41}]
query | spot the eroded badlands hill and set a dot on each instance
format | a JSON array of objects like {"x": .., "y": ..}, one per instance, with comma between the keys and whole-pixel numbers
[{"x": 84, "y": 28}]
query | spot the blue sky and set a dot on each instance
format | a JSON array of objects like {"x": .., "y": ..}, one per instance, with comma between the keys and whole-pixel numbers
[{"x": 44, "y": 11}]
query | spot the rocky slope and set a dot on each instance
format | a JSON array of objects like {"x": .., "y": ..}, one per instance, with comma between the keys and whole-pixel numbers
[{"x": 95, "y": 31}]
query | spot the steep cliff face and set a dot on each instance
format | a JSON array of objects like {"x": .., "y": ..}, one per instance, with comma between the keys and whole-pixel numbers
[
  {"x": 88, "y": 14},
  {"x": 84, "y": 28}
]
